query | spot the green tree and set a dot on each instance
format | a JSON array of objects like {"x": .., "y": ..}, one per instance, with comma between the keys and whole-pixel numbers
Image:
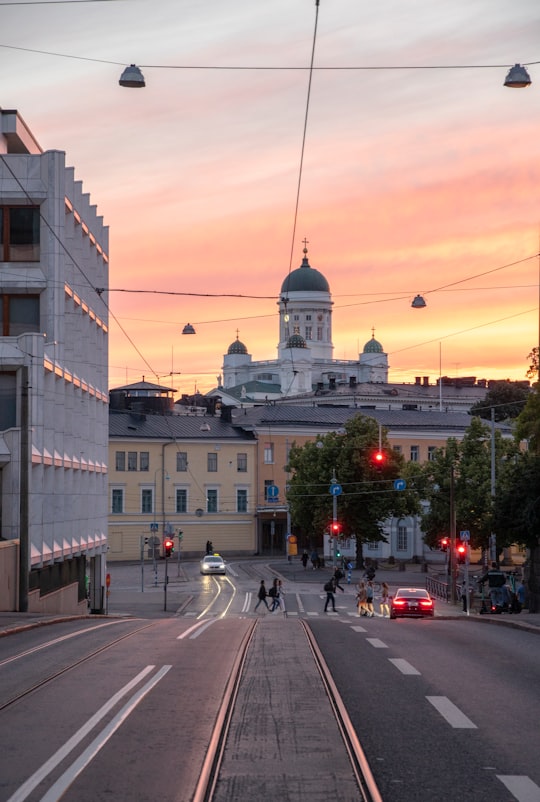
[
  {"x": 461, "y": 471},
  {"x": 532, "y": 370},
  {"x": 506, "y": 398},
  {"x": 528, "y": 422},
  {"x": 368, "y": 496}
]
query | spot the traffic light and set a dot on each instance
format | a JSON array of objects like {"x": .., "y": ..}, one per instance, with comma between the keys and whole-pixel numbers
[
  {"x": 444, "y": 543},
  {"x": 378, "y": 459},
  {"x": 335, "y": 529},
  {"x": 461, "y": 553},
  {"x": 168, "y": 546},
  {"x": 338, "y": 553}
]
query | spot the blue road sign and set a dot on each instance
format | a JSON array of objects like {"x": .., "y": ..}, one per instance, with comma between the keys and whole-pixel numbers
[
  {"x": 272, "y": 491},
  {"x": 400, "y": 484},
  {"x": 336, "y": 490}
]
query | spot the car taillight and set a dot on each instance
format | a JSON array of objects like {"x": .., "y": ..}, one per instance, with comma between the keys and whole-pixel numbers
[
  {"x": 399, "y": 602},
  {"x": 426, "y": 603}
]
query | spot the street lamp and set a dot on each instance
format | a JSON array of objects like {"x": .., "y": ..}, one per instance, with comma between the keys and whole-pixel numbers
[{"x": 132, "y": 78}]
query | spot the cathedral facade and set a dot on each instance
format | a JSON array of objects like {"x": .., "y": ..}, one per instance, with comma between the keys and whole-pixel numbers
[{"x": 304, "y": 362}]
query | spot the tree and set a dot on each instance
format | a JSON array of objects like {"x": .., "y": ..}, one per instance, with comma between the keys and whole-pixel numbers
[
  {"x": 532, "y": 370},
  {"x": 368, "y": 496},
  {"x": 517, "y": 515},
  {"x": 461, "y": 472},
  {"x": 528, "y": 422},
  {"x": 506, "y": 398}
]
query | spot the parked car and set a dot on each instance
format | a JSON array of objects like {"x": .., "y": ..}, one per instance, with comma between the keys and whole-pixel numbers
[
  {"x": 412, "y": 602},
  {"x": 213, "y": 564}
]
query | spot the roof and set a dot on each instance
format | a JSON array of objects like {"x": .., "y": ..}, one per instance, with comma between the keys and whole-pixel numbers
[
  {"x": 305, "y": 279},
  {"x": 172, "y": 427}
]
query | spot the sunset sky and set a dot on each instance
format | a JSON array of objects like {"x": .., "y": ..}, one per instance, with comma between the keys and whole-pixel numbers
[{"x": 421, "y": 171}]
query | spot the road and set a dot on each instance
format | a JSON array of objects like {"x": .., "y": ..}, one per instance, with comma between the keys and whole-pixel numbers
[{"x": 126, "y": 707}]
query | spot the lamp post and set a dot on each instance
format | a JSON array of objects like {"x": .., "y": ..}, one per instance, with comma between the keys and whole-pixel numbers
[{"x": 155, "y": 525}]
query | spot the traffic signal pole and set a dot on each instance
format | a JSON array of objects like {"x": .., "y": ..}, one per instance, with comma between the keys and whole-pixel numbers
[{"x": 334, "y": 520}]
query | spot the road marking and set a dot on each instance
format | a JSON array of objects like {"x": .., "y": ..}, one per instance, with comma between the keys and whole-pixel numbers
[
  {"x": 404, "y": 666},
  {"x": 299, "y": 603},
  {"x": 359, "y": 629},
  {"x": 313, "y": 613},
  {"x": 32, "y": 782},
  {"x": 521, "y": 787},
  {"x": 188, "y": 632},
  {"x": 57, "y": 790},
  {"x": 247, "y": 603},
  {"x": 451, "y": 713},
  {"x": 377, "y": 643}
]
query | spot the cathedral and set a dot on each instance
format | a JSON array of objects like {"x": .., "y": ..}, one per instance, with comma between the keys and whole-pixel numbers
[{"x": 304, "y": 362}]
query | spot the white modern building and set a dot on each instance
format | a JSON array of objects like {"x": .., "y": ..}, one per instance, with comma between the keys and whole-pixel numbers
[{"x": 53, "y": 381}]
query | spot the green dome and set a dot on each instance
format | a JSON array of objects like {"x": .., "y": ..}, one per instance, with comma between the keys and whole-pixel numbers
[
  {"x": 296, "y": 341},
  {"x": 237, "y": 347},
  {"x": 373, "y": 346},
  {"x": 305, "y": 279}
]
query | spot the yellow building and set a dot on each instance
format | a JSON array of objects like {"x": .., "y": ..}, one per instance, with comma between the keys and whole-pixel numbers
[{"x": 171, "y": 474}]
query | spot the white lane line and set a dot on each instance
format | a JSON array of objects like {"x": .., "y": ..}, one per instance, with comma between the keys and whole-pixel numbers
[
  {"x": 521, "y": 786},
  {"x": 358, "y": 628},
  {"x": 200, "y": 630},
  {"x": 27, "y": 787},
  {"x": 188, "y": 632},
  {"x": 247, "y": 603},
  {"x": 404, "y": 666},
  {"x": 299, "y": 603},
  {"x": 377, "y": 643},
  {"x": 57, "y": 790},
  {"x": 313, "y": 613},
  {"x": 451, "y": 713}
]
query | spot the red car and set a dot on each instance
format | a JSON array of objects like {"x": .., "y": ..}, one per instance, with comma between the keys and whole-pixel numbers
[{"x": 412, "y": 602}]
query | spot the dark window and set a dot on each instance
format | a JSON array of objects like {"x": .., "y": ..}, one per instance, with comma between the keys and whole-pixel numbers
[
  {"x": 181, "y": 499},
  {"x": 241, "y": 463},
  {"x": 120, "y": 460},
  {"x": 241, "y": 500},
  {"x": 144, "y": 458},
  {"x": 19, "y": 314},
  {"x": 212, "y": 462},
  {"x": 147, "y": 501},
  {"x": 132, "y": 460},
  {"x": 117, "y": 500},
  {"x": 181, "y": 461},
  {"x": 8, "y": 401},
  {"x": 211, "y": 500},
  {"x": 19, "y": 233}
]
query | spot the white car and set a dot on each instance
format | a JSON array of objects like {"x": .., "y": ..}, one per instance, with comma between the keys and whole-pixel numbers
[{"x": 213, "y": 564}]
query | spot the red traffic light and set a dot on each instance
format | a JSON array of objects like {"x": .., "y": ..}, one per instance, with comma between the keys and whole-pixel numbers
[
  {"x": 461, "y": 553},
  {"x": 335, "y": 529},
  {"x": 444, "y": 543},
  {"x": 378, "y": 457},
  {"x": 168, "y": 546}
]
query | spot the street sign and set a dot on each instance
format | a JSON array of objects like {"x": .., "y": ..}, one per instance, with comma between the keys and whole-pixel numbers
[
  {"x": 272, "y": 492},
  {"x": 154, "y": 527},
  {"x": 465, "y": 535},
  {"x": 336, "y": 490},
  {"x": 400, "y": 484}
]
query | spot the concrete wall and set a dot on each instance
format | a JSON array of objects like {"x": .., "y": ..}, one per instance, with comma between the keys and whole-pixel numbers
[{"x": 9, "y": 574}]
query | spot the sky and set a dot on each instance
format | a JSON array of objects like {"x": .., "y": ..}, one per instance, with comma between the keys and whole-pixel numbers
[{"x": 401, "y": 158}]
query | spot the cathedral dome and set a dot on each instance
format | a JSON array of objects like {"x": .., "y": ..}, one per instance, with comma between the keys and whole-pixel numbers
[
  {"x": 296, "y": 341},
  {"x": 305, "y": 279},
  {"x": 237, "y": 347},
  {"x": 373, "y": 346}
]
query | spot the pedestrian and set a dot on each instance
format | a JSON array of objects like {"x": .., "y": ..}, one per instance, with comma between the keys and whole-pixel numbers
[
  {"x": 261, "y": 595},
  {"x": 305, "y": 558},
  {"x": 209, "y": 547},
  {"x": 280, "y": 597},
  {"x": 370, "y": 612},
  {"x": 330, "y": 589},
  {"x": 464, "y": 596},
  {"x": 361, "y": 599},
  {"x": 385, "y": 600},
  {"x": 314, "y": 559},
  {"x": 274, "y": 595},
  {"x": 338, "y": 574}
]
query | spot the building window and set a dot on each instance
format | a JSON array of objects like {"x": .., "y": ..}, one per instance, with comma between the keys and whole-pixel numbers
[
  {"x": 241, "y": 500},
  {"x": 19, "y": 314},
  {"x": 120, "y": 460},
  {"x": 319, "y": 333},
  {"x": 132, "y": 461},
  {"x": 402, "y": 540},
  {"x": 309, "y": 330},
  {"x": 308, "y": 317},
  {"x": 181, "y": 499},
  {"x": 415, "y": 453},
  {"x": 398, "y": 449},
  {"x": 19, "y": 233},
  {"x": 8, "y": 401},
  {"x": 431, "y": 451},
  {"x": 117, "y": 500},
  {"x": 268, "y": 453},
  {"x": 181, "y": 460},
  {"x": 267, "y": 483},
  {"x": 241, "y": 463},
  {"x": 211, "y": 466},
  {"x": 144, "y": 460},
  {"x": 211, "y": 500},
  {"x": 147, "y": 500}
]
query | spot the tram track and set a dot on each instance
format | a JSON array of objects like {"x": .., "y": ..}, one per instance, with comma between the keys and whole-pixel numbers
[{"x": 65, "y": 669}]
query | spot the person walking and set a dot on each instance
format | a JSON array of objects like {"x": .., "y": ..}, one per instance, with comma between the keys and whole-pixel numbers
[
  {"x": 274, "y": 595},
  {"x": 338, "y": 574},
  {"x": 385, "y": 600},
  {"x": 261, "y": 595},
  {"x": 280, "y": 598},
  {"x": 305, "y": 558},
  {"x": 361, "y": 599},
  {"x": 330, "y": 589},
  {"x": 369, "y": 599}
]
